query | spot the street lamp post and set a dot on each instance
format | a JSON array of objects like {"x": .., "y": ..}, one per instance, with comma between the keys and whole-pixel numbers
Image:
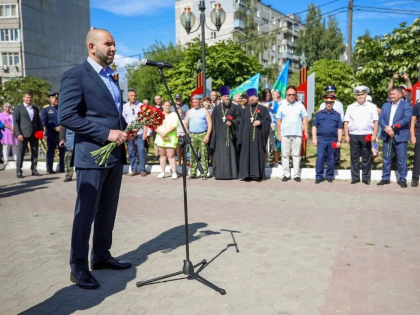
[{"x": 217, "y": 16}]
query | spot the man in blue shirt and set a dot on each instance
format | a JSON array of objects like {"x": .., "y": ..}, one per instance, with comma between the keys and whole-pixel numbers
[
  {"x": 327, "y": 131},
  {"x": 290, "y": 117}
]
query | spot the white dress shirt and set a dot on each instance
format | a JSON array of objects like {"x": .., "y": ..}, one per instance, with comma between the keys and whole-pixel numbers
[
  {"x": 393, "y": 110},
  {"x": 361, "y": 118},
  {"x": 30, "y": 110}
]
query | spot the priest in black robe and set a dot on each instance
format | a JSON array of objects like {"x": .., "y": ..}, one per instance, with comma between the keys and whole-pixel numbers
[
  {"x": 223, "y": 143},
  {"x": 252, "y": 138}
]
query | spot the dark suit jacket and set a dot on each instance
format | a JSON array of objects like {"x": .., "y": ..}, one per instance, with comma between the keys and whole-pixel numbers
[
  {"x": 88, "y": 108},
  {"x": 22, "y": 121},
  {"x": 402, "y": 117}
]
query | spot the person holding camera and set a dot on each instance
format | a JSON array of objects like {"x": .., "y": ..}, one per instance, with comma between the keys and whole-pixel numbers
[{"x": 405, "y": 88}]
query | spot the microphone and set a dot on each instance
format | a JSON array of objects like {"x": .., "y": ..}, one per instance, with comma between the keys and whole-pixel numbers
[{"x": 159, "y": 64}]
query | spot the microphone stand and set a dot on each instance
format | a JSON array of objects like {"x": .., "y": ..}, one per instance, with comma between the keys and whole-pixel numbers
[{"x": 188, "y": 267}]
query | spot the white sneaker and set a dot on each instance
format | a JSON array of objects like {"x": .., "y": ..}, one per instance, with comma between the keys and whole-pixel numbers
[
  {"x": 267, "y": 165},
  {"x": 161, "y": 175},
  {"x": 174, "y": 176}
]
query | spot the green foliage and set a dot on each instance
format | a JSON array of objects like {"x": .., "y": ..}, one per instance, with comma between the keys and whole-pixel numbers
[
  {"x": 226, "y": 63},
  {"x": 250, "y": 39},
  {"x": 335, "y": 72},
  {"x": 12, "y": 91},
  {"x": 316, "y": 40},
  {"x": 294, "y": 79},
  {"x": 380, "y": 57},
  {"x": 146, "y": 80}
]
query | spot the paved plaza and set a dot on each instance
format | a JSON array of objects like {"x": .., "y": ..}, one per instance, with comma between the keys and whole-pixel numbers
[{"x": 276, "y": 248}]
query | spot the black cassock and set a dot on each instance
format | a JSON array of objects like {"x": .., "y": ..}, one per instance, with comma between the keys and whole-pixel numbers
[
  {"x": 225, "y": 160},
  {"x": 252, "y": 149}
]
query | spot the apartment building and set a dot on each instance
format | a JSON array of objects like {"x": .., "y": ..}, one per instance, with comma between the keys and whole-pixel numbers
[
  {"x": 286, "y": 28},
  {"x": 42, "y": 38}
]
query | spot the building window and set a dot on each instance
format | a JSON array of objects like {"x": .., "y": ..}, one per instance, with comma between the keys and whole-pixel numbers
[
  {"x": 9, "y": 35},
  {"x": 265, "y": 62},
  {"x": 265, "y": 21},
  {"x": 273, "y": 48},
  {"x": 10, "y": 59},
  {"x": 213, "y": 35},
  {"x": 257, "y": 13},
  {"x": 8, "y": 10},
  {"x": 279, "y": 47},
  {"x": 273, "y": 59},
  {"x": 212, "y": 4}
]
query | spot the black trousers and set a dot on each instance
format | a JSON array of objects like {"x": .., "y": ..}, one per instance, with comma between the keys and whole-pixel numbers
[
  {"x": 22, "y": 146},
  {"x": 360, "y": 148},
  {"x": 416, "y": 167}
]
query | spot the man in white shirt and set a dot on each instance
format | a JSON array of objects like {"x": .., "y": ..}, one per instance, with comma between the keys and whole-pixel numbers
[
  {"x": 361, "y": 129},
  {"x": 130, "y": 110}
]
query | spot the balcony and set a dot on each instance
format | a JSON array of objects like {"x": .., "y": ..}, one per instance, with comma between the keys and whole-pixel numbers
[
  {"x": 288, "y": 42},
  {"x": 286, "y": 55},
  {"x": 238, "y": 24}
]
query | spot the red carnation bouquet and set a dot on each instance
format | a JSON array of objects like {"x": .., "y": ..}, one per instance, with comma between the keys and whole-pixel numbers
[
  {"x": 148, "y": 116},
  {"x": 334, "y": 145},
  {"x": 230, "y": 118},
  {"x": 39, "y": 135},
  {"x": 391, "y": 139},
  {"x": 368, "y": 138}
]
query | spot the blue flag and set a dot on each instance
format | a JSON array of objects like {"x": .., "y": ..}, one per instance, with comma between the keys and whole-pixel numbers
[
  {"x": 281, "y": 83},
  {"x": 252, "y": 82}
]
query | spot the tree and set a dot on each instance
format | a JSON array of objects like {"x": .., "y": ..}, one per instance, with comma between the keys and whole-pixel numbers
[
  {"x": 380, "y": 57},
  {"x": 146, "y": 80},
  {"x": 316, "y": 40},
  {"x": 226, "y": 63},
  {"x": 335, "y": 72},
  {"x": 12, "y": 91},
  {"x": 250, "y": 39}
]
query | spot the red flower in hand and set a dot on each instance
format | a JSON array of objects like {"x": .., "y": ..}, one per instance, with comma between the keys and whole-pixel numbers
[
  {"x": 368, "y": 138},
  {"x": 304, "y": 137},
  {"x": 229, "y": 117},
  {"x": 397, "y": 126},
  {"x": 257, "y": 110},
  {"x": 39, "y": 135},
  {"x": 334, "y": 145}
]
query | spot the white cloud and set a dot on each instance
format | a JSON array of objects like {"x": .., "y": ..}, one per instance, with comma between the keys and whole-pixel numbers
[
  {"x": 132, "y": 8},
  {"x": 122, "y": 61}
]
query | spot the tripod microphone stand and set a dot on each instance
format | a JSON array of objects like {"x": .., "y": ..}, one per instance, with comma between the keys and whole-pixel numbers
[{"x": 188, "y": 267}]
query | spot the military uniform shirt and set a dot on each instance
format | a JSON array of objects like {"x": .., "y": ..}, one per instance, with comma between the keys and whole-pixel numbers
[
  {"x": 327, "y": 124},
  {"x": 49, "y": 118}
]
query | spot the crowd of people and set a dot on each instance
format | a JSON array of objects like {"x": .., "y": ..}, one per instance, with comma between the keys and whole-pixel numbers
[{"x": 234, "y": 134}]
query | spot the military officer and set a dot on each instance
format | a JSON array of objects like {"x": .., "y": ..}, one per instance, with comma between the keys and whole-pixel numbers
[
  {"x": 51, "y": 132},
  {"x": 338, "y": 107},
  {"x": 326, "y": 130}
]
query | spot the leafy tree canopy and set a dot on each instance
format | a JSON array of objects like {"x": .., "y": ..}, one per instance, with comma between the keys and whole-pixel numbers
[
  {"x": 12, "y": 91},
  {"x": 379, "y": 58},
  {"x": 335, "y": 72},
  {"x": 318, "y": 41},
  {"x": 146, "y": 80},
  {"x": 226, "y": 64}
]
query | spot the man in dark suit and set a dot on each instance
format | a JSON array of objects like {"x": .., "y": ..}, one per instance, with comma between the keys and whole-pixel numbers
[
  {"x": 394, "y": 120},
  {"x": 90, "y": 105},
  {"x": 26, "y": 122}
]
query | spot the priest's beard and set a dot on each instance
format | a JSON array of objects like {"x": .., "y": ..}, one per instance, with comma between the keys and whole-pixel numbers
[
  {"x": 226, "y": 103},
  {"x": 253, "y": 103}
]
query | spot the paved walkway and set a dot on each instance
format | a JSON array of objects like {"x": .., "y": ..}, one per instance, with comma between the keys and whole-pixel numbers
[{"x": 300, "y": 248}]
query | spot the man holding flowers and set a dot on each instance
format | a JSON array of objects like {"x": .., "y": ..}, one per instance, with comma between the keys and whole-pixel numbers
[
  {"x": 394, "y": 120},
  {"x": 326, "y": 136},
  {"x": 361, "y": 129}
]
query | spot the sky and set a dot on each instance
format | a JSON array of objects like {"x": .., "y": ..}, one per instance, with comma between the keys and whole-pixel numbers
[{"x": 136, "y": 25}]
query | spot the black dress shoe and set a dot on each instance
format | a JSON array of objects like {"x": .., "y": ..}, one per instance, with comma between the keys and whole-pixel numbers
[
  {"x": 317, "y": 181},
  {"x": 330, "y": 180},
  {"x": 50, "y": 172},
  {"x": 285, "y": 179},
  {"x": 67, "y": 179},
  {"x": 383, "y": 182},
  {"x": 403, "y": 184},
  {"x": 297, "y": 179},
  {"x": 111, "y": 263},
  {"x": 355, "y": 181},
  {"x": 366, "y": 182},
  {"x": 84, "y": 279},
  {"x": 19, "y": 174},
  {"x": 35, "y": 173},
  {"x": 415, "y": 183}
]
